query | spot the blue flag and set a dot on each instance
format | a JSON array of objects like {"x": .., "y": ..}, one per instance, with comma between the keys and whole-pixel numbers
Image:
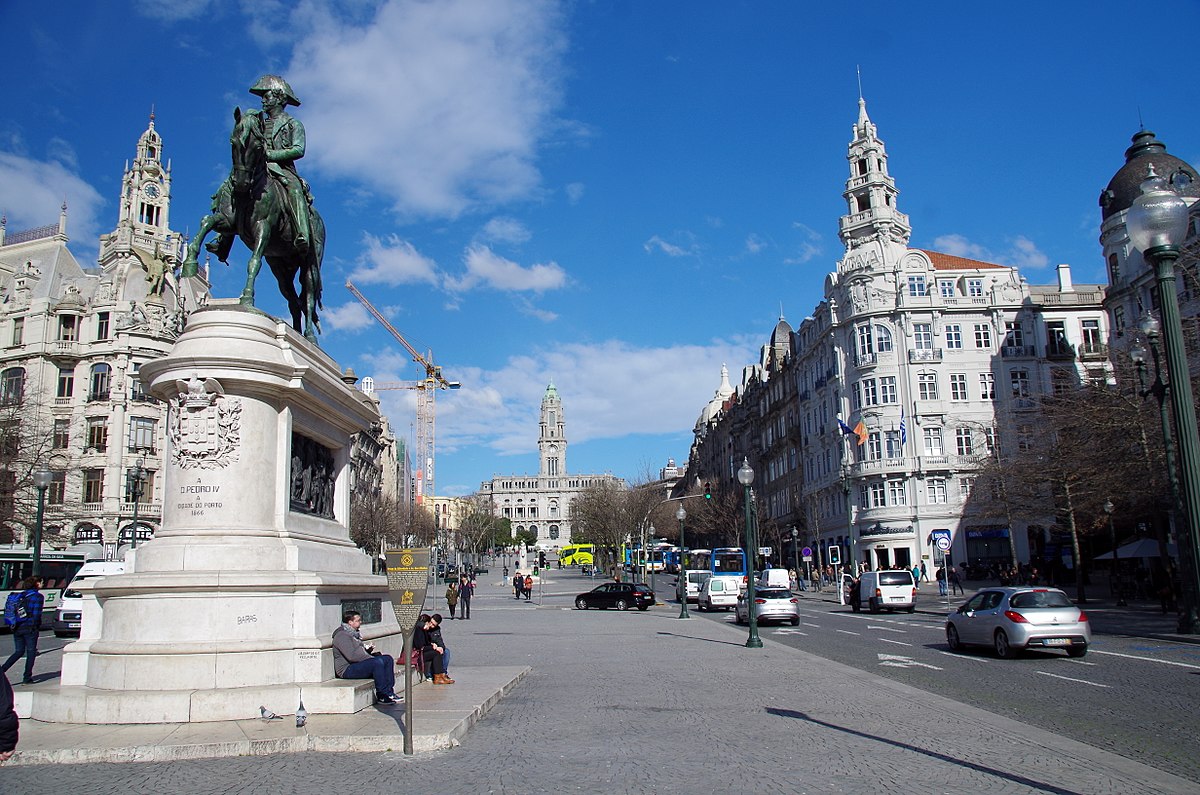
[
  {"x": 903, "y": 428},
  {"x": 845, "y": 429}
]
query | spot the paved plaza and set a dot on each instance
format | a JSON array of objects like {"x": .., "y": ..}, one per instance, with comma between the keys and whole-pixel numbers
[{"x": 645, "y": 703}]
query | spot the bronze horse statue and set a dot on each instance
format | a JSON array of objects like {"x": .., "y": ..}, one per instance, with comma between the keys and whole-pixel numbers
[{"x": 253, "y": 206}]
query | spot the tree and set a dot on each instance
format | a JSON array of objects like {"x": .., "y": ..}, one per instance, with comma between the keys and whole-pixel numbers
[
  {"x": 376, "y": 521},
  {"x": 27, "y": 445}
]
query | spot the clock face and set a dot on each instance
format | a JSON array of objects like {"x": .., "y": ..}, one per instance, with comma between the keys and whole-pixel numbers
[{"x": 151, "y": 190}]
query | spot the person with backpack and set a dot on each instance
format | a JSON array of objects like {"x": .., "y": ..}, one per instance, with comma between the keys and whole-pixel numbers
[{"x": 23, "y": 612}]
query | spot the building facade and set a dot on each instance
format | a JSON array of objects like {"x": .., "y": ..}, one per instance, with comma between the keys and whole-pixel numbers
[
  {"x": 864, "y": 426},
  {"x": 72, "y": 340},
  {"x": 541, "y": 504}
]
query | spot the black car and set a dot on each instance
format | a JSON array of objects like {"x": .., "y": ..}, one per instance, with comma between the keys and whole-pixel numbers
[{"x": 620, "y": 595}]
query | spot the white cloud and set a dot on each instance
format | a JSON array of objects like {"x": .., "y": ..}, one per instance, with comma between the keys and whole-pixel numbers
[
  {"x": 754, "y": 243},
  {"x": 1022, "y": 252},
  {"x": 526, "y": 307},
  {"x": 505, "y": 230},
  {"x": 438, "y": 107},
  {"x": 350, "y": 316},
  {"x": 32, "y": 193},
  {"x": 485, "y": 267},
  {"x": 393, "y": 261},
  {"x": 656, "y": 243},
  {"x": 575, "y": 192},
  {"x": 808, "y": 248}
]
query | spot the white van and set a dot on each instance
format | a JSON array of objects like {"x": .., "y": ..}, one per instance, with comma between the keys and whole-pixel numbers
[
  {"x": 719, "y": 592},
  {"x": 69, "y": 617},
  {"x": 695, "y": 579},
  {"x": 775, "y": 578},
  {"x": 884, "y": 590}
]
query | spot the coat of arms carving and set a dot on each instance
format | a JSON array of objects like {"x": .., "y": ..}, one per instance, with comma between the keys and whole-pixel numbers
[{"x": 204, "y": 425}]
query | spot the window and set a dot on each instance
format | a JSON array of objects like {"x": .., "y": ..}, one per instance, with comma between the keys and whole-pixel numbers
[
  {"x": 874, "y": 446},
  {"x": 883, "y": 339},
  {"x": 946, "y": 288},
  {"x": 18, "y": 335},
  {"x": 927, "y": 386},
  {"x": 887, "y": 389},
  {"x": 97, "y": 433},
  {"x": 141, "y": 434},
  {"x": 102, "y": 325},
  {"x": 1056, "y": 339},
  {"x": 866, "y": 345},
  {"x": 958, "y": 386},
  {"x": 93, "y": 485},
  {"x": 987, "y": 386},
  {"x": 1114, "y": 268},
  {"x": 896, "y": 495},
  {"x": 954, "y": 336},
  {"x": 965, "y": 484},
  {"x": 933, "y": 441},
  {"x": 989, "y": 440},
  {"x": 66, "y": 383},
  {"x": 983, "y": 336},
  {"x": 870, "y": 395},
  {"x": 1014, "y": 335},
  {"x": 147, "y": 487},
  {"x": 917, "y": 285},
  {"x": 57, "y": 493},
  {"x": 1091, "y": 336},
  {"x": 975, "y": 288},
  {"x": 62, "y": 435},
  {"x": 892, "y": 440},
  {"x": 137, "y": 390},
  {"x": 101, "y": 378},
  {"x": 923, "y": 336},
  {"x": 12, "y": 386},
  {"x": 67, "y": 328},
  {"x": 1020, "y": 383},
  {"x": 963, "y": 441},
  {"x": 935, "y": 489},
  {"x": 876, "y": 495}
]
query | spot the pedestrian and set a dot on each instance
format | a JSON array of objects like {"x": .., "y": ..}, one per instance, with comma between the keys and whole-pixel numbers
[
  {"x": 432, "y": 653},
  {"x": 940, "y": 576},
  {"x": 466, "y": 589},
  {"x": 23, "y": 612},
  {"x": 9, "y": 723},
  {"x": 955, "y": 581},
  {"x": 452, "y": 594},
  {"x": 518, "y": 585},
  {"x": 435, "y": 635},
  {"x": 916, "y": 572},
  {"x": 528, "y": 587},
  {"x": 924, "y": 573}
]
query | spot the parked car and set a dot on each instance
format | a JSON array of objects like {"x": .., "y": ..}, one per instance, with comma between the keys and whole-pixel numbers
[
  {"x": 884, "y": 590},
  {"x": 1011, "y": 620},
  {"x": 719, "y": 592},
  {"x": 619, "y": 595},
  {"x": 770, "y": 604},
  {"x": 695, "y": 579}
]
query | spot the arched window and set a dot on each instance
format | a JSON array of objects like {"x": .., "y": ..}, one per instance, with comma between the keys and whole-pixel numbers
[
  {"x": 883, "y": 339},
  {"x": 12, "y": 385},
  {"x": 101, "y": 381}
]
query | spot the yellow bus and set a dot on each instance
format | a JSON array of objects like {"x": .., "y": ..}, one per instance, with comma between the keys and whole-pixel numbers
[{"x": 577, "y": 555}]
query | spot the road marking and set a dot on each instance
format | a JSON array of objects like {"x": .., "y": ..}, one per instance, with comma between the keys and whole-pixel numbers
[
  {"x": 897, "y": 661},
  {"x": 889, "y": 629},
  {"x": 790, "y": 632},
  {"x": 1146, "y": 659},
  {"x": 815, "y": 626},
  {"x": 957, "y": 656},
  {"x": 897, "y": 642},
  {"x": 1080, "y": 662},
  {"x": 847, "y": 632},
  {"x": 1069, "y": 679}
]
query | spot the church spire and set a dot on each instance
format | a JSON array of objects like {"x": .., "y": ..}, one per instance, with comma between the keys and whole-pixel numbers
[{"x": 870, "y": 191}]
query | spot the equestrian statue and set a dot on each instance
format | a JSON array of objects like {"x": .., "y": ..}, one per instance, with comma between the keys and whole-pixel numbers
[{"x": 266, "y": 203}]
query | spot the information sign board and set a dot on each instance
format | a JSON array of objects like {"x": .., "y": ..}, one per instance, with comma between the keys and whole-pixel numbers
[{"x": 408, "y": 577}]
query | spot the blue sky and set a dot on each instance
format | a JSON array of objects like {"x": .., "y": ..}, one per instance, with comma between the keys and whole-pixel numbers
[{"x": 616, "y": 196}]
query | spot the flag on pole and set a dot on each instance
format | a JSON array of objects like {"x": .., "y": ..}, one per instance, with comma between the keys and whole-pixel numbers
[
  {"x": 860, "y": 431},
  {"x": 903, "y": 428},
  {"x": 844, "y": 428}
]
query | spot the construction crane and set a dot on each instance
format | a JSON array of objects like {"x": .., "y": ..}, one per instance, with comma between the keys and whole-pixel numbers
[{"x": 426, "y": 391}]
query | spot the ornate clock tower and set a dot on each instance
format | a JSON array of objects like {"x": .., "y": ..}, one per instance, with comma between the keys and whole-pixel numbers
[{"x": 552, "y": 439}]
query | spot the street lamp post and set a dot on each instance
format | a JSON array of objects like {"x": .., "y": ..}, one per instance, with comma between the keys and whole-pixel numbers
[
  {"x": 1116, "y": 556},
  {"x": 1157, "y": 223},
  {"x": 681, "y": 589},
  {"x": 796, "y": 555},
  {"x": 137, "y": 476},
  {"x": 746, "y": 476},
  {"x": 41, "y": 480}
]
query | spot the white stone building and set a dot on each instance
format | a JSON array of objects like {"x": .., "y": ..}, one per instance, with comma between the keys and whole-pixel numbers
[{"x": 541, "y": 503}]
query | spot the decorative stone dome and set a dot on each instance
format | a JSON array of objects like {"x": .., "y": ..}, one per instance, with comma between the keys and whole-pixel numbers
[{"x": 1126, "y": 184}]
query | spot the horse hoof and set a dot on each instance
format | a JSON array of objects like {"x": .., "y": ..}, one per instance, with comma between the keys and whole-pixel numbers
[{"x": 247, "y": 299}]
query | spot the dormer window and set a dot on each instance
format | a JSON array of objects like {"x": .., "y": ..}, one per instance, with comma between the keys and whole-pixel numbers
[{"x": 68, "y": 328}]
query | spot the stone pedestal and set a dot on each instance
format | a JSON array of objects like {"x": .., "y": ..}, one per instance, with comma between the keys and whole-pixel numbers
[{"x": 239, "y": 592}]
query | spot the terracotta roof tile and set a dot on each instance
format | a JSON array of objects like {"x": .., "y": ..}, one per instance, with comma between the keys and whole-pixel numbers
[{"x": 949, "y": 262}]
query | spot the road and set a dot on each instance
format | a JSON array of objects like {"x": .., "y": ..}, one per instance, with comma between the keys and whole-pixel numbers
[{"x": 1134, "y": 696}]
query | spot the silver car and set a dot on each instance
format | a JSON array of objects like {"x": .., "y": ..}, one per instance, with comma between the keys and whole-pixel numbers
[
  {"x": 770, "y": 604},
  {"x": 1011, "y": 620}
]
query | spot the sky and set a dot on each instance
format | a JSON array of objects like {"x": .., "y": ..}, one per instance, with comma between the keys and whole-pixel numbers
[{"x": 616, "y": 197}]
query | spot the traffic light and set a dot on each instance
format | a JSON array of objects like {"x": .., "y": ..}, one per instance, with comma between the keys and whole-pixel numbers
[
  {"x": 707, "y": 490},
  {"x": 542, "y": 558},
  {"x": 835, "y": 555}
]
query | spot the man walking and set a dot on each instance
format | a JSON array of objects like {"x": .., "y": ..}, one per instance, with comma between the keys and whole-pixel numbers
[
  {"x": 466, "y": 589},
  {"x": 940, "y": 576},
  {"x": 23, "y": 612},
  {"x": 955, "y": 581},
  {"x": 518, "y": 585}
]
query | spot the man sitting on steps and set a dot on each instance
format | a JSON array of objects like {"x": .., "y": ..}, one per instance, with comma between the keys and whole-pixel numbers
[{"x": 353, "y": 659}]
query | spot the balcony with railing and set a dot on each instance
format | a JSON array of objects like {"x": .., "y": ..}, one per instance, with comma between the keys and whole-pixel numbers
[
  {"x": 1018, "y": 351},
  {"x": 866, "y": 359},
  {"x": 1093, "y": 351},
  {"x": 925, "y": 355},
  {"x": 1060, "y": 352},
  {"x": 64, "y": 349}
]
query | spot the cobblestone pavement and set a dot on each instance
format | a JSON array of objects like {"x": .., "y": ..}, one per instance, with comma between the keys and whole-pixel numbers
[{"x": 644, "y": 703}]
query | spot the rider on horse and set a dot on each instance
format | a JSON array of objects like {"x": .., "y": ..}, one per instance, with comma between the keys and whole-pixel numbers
[{"x": 284, "y": 141}]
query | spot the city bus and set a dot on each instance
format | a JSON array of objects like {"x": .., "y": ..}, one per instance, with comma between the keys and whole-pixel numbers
[
  {"x": 577, "y": 555},
  {"x": 58, "y": 568},
  {"x": 727, "y": 562}
]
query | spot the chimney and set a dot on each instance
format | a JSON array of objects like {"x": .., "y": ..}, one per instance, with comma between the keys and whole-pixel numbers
[{"x": 1064, "y": 279}]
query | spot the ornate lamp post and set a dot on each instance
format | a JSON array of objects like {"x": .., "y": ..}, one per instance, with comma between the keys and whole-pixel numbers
[
  {"x": 137, "y": 482},
  {"x": 1116, "y": 564},
  {"x": 796, "y": 555},
  {"x": 1157, "y": 224},
  {"x": 681, "y": 514},
  {"x": 746, "y": 476},
  {"x": 41, "y": 481}
]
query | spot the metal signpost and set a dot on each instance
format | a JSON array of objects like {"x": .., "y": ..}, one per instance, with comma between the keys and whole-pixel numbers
[
  {"x": 408, "y": 578},
  {"x": 942, "y": 540}
]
